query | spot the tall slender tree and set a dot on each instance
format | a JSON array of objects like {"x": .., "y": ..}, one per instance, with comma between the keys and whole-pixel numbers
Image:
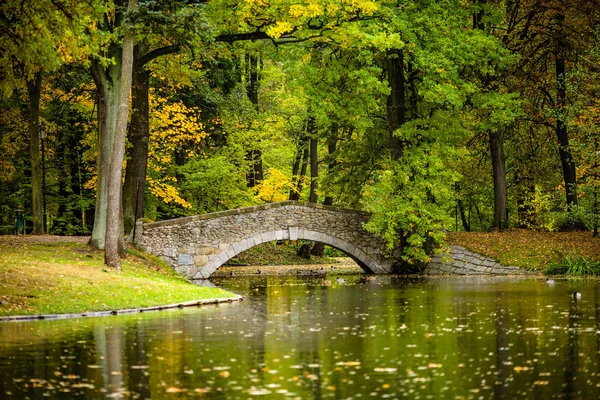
[{"x": 114, "y": 222}]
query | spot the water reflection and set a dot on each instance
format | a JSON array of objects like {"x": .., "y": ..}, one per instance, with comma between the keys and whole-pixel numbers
[{"x": 293, "y": 337}]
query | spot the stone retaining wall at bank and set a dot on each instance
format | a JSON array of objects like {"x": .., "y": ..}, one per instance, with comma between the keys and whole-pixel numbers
[{"x": 460, "y": 261}]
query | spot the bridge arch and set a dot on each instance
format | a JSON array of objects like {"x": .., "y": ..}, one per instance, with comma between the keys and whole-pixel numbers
[
  {"x": 196, "y": 246},
  {"x": 366, "y": 262}
]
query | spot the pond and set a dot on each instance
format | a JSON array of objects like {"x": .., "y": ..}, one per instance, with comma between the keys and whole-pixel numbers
[{"x": 300, "y": 337}]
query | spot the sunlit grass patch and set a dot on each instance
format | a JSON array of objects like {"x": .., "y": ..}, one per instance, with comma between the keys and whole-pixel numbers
[{"x": 52, "y": 278}]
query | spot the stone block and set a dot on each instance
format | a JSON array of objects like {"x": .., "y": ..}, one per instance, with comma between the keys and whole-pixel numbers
[
  {"x": 222, "y": 257},
  {"x": 236, "y": 247},
  {"x": 269, "y": 236},
  {"x": 200, "y": 260},
  {"x": 458, "y": 263},
  {"x": 185, "y": 259},
  {"x": 230, "y": 252},
  {"x": 170, "y": 252},
  {"x": 293, "y": 232}
]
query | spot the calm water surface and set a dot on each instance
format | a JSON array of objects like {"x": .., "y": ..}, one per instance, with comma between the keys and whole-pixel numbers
[{"x": 388, "y": 337}]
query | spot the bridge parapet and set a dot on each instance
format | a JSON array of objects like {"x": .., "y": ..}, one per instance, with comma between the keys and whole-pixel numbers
[{"x": 196, "y": 246}]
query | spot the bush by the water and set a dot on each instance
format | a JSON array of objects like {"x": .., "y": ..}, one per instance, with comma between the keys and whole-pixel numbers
[{"x": 574, "y": 266}]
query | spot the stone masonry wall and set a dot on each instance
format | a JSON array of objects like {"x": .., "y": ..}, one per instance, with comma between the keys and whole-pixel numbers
[
  {"x": 196, "y": 246},
  {"x": 460, "y": 261}
]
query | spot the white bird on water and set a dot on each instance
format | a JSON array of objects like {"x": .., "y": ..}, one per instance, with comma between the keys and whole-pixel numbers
[
  {"x": 549, "y": 281},
  {"x": 577, "y": 295}
]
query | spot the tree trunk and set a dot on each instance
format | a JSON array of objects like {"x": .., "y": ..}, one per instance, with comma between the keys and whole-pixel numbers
[
  {"x": 114, "y": 220},
  {"x": 34, "y": 89},
  {"x": 499, "y": 173},
  {"x": 500, "y": 221},
  {"x": 254, "y": 156},
  {"x": 107, "y": 82},
  {"x": 314, "y": 161},
  {"x": 296, "y": 194},
  {"x": 137, "y": 153},
  {"x": 463, "y": 216},
  {"x": 296, "y": 168},
  {"x": 331, "y": 148},
  {"x": 568, "y": 165},
  {"x": 396, "y": 102},
  {"x": 318, "y": 249}
]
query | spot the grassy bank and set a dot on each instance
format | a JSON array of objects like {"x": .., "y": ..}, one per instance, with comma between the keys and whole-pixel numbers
[
  {"x": 50, "y": 275},
  {"x": 529, "y": 249}
]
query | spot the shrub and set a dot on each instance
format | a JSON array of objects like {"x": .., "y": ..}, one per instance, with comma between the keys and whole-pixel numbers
[
  {"x": 576, "y": 219},
  {"x": 574, "y": 266}
]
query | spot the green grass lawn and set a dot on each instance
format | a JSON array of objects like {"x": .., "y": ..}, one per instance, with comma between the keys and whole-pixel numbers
[
  {"x": 47, "y": 275},
  {"x": 529, "y": 249}
]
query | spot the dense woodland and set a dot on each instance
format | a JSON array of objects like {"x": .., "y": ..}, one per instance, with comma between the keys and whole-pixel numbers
[{"x": 462, "y": 115}]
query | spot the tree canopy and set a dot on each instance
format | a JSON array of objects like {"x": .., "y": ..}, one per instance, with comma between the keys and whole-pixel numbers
[{"x": 431, "y": 115}]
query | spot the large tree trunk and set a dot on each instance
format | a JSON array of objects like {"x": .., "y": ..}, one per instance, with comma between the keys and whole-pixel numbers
[
  {"x": 107, "y": 82},
  {"x": 34, "y": 89},
  {"x": 568, "y": 165},
  {"x": 137, "y": 153},
  {"x": 496, "y": 140},
  {"x": 396, "y": 102},
  {"x": 499, "y": 173},
  {"x": 114, "y": 221}
]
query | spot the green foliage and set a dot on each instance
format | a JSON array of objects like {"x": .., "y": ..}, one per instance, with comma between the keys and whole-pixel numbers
[
  {"x": 574, "y": 265},
  {"x": 214, "y": 184},
  {"x": 409, "y": 202},
  {"x": 535, "y": 212},
  {"x": 577, "y": 218}
]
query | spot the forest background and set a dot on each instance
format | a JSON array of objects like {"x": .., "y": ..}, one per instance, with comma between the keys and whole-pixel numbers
[{"x": 461, "y": 115}]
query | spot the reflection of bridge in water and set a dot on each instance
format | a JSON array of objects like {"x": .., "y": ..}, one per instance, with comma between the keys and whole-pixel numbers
[{"x": 196, "y": 246}]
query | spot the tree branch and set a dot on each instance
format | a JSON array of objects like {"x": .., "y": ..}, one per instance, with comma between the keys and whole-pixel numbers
[{"x": 146, "y": 58}]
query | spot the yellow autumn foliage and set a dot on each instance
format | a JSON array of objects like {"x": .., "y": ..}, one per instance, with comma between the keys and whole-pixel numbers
[
  {"x": 173, "y": 125},
  {"x": 276, "y": 187}
]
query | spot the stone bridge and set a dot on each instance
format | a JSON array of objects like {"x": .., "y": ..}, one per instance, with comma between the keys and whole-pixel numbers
[{"x": 196, "y": 246}]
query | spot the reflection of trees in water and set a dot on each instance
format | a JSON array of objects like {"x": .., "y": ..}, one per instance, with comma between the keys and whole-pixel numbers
[
  {"x": 597, "y": 326},
  {"x": 571, "y": 357},
  {"x": 503, "y": 368},
  {"x": 110, "y": 345},
  {"x": 138, "y": 378}
]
